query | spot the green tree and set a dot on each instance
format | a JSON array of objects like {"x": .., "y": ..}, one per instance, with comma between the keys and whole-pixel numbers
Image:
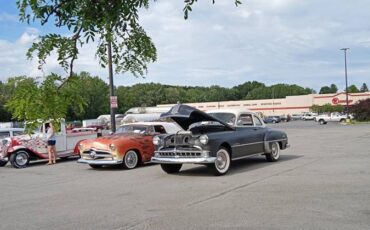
[
  {"x": 37, "y": 103},
  {"x": 106, "y": 21},
  {"x": 95, "y": 95},
  {"x": 327, "y": 108},
  {"x": 326, "y": 89},
  {"x": 353, "y": 89},
  {"x": 361, "y": 110},
  {"x": 333, "y": 88},
  {"x": 364, "y": 88}
]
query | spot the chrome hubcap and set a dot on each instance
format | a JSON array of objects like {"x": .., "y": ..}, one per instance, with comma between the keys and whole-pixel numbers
[
  {"x": 131, "y": 159},
  {"x": 222, "y": 161},
  {"x": 275, "y": 150},
  {"x": 21, "y": 159}
]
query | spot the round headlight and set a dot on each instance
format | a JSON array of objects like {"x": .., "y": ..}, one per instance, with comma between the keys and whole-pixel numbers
[
  {"x": 203, "y": 139},
  {"x": 156, "y": 140},
  {"x": 4, "y": 142},
  {"x": 112, "y": 147}
]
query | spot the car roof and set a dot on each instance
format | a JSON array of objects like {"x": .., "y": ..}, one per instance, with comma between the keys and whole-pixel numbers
[
  {"x": 234, "y": 111},
  {"x": 154, "y": 123},
  {"x": 11, "y": 129}
]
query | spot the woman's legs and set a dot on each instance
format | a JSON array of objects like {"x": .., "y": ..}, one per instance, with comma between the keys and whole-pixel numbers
[
  {"x": 54, "y": 154},
  {"x": 50, "y": 153}
]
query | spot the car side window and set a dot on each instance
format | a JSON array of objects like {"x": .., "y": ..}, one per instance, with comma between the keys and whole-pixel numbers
[
  {"x": 4, "y": 134},
  {"x": 18, "y": 133},
  {"x": 245, "y": 120},
  {"x": 159, "y": 129},
  {"x": 257, "y": 121}
]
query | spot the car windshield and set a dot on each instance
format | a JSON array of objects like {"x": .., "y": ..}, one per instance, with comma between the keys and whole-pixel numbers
[
  {"x": 132, "y": 129},
  {"x": 228, "y": 118}
]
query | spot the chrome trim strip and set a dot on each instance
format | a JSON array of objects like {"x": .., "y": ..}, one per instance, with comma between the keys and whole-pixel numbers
[
  {"x": 4, "y": 158},
  {"x": 278, "y": 140},
  {"x": 99, "y": 162},
  {"x": 181, "y": 151},
  {"x": 253, "y": 143},
  {"x": 261, "y": 142},
  {"x": 247, "y": 156},
  {"x": 188, "y": 160},
  {"x": 98, "y": 155}
]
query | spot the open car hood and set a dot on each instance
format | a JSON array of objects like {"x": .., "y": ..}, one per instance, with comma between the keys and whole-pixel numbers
[{"x": 185, "y": 115}]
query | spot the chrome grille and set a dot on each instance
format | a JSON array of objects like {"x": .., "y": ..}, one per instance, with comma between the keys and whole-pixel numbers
[
  {"x": 95, "y": 154},
  {"x": 179, "y": 140}
]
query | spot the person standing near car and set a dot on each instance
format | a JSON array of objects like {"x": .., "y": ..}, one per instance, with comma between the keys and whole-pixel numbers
[{"x": 50, "y": 137}]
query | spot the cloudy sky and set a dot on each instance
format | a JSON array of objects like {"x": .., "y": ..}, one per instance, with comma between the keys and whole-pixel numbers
[{"x": 271, "y": 41}]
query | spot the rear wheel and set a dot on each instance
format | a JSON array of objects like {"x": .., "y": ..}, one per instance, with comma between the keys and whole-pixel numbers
[
  {"x": 222, "y": 162},
  {"x": 171, "y": 168},
  {"x": 130, "y": 160},
  {"x": 322, "y": 122},
  {"x": 342, "y": 120},
  {"x": 20, "y": 159},
  {"x": 275, "y": 152},
  {"x": 96, "y": 166}
]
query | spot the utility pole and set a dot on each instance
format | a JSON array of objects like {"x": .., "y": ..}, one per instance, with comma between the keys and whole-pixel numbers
[
  {"x": 345, "y": 73},
  {"x": 111, "y": 88}
]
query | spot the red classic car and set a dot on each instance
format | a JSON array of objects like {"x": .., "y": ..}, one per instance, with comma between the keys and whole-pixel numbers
[{"x": 130, "y": 145}]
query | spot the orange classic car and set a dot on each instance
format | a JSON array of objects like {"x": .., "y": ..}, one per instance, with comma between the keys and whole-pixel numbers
[{"x": 130, "y": 145}]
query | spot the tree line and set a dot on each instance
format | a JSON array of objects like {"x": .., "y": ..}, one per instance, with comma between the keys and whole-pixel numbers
[
  {"x": 88, "y": 96},
  {"x": 351, "y": 89}
]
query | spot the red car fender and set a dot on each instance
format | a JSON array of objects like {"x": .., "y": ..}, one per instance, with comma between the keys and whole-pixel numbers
[
  {"x": 13, "y": 149},
  {"x": 76, "y": 150}
]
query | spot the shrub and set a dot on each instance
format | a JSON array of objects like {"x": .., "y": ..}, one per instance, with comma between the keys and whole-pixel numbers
[{"x": 361, "y": 110}]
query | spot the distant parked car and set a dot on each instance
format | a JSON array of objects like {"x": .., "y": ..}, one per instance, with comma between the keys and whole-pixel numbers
[
  {"x": 10, "y": 132},
  {"x": 272, "y": 119},
  {"x": 333, "y": 117},
  {"x": 296, "y": 117},
  {"x": 5, "y": 134},
  {"x": 309, "y": 116}
]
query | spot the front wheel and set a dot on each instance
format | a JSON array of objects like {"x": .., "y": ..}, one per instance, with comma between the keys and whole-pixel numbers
[
  {"x": 20, "y": 159},
  {"x": 222, "y": 162},
  {"x": 275, "y": 152},
  {"x": 171, "y": 168},
  {"x": 322, "y": 122},
  {"x": 3, "y": 163},
  {"x": 130, "y": 160}
]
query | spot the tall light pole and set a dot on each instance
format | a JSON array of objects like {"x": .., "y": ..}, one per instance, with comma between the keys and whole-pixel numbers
[
  {"x": 111, "y": 87},
  {"x": 345, "y": 72}
]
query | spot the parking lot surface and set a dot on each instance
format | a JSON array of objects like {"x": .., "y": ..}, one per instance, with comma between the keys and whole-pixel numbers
[{"x": 321, "y": 182}]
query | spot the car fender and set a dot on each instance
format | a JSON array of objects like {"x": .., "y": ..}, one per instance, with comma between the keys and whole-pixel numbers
[
  {"x": 32, "y": 153},
  {"x": 271, "y": 136}
]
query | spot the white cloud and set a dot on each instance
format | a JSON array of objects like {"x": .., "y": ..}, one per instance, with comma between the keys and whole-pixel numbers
[
  {"x": 5, "y": 17},
  {"x": 272, "y": 41}
]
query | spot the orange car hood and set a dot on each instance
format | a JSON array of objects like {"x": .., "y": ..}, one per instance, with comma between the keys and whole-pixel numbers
[{"x": 116, "y": 139}]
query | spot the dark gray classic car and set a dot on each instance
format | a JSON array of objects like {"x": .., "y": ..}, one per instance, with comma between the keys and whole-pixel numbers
[{"x": 215, "y": 139}]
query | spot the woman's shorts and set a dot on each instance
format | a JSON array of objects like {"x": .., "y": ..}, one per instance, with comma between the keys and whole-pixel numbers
[{"x": 51, "y": 142}]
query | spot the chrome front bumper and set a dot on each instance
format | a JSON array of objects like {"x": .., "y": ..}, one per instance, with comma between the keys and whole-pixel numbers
[
  {"x": 4, "y": 158},
  {"x": 99, "y": 162},
  {"x": 183, "y": 160}
]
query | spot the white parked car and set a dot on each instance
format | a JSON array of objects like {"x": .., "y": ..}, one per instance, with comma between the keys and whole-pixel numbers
[
  {"x": 10, "y": 132},
  {"x": 333, "y": 117},
  {"x": 308, "y": 116}
]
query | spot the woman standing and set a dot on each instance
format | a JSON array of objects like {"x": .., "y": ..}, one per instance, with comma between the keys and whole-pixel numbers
[{"x": 50, "y": 137}]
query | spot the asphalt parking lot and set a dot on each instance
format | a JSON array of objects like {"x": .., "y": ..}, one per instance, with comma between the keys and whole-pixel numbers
[{"x": 321, "y": 182}]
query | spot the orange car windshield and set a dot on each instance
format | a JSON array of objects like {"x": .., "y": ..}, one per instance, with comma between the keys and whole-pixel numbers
[{"x": 131, "y": 129}]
